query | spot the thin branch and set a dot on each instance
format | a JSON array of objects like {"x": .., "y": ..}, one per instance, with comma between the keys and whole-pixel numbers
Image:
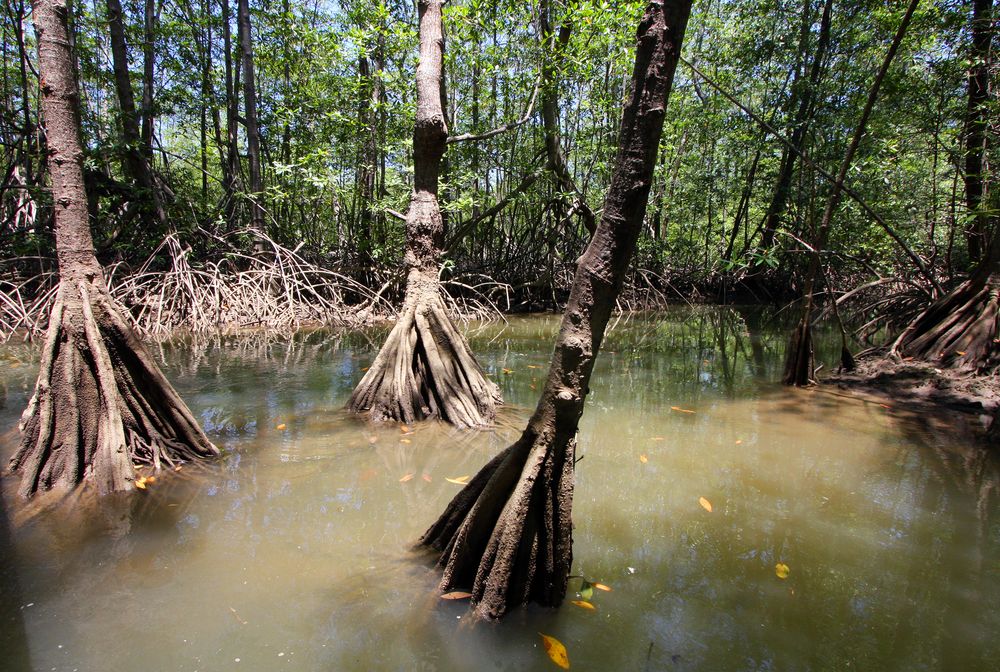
[
  {"x": 466, "y": 137},
  {"x": 809, "y": 162}
]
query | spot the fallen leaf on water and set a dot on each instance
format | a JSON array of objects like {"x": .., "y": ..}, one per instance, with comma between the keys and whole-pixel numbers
[
  {"x": 405, "y": 429},
  {"x": 586, "y": 589},
  {"x": 781, "y": 570},
  {"x": 140, "y": 483},
  {"x": 886, "y": 406},
  {"x": 680, "y": 410},
  {"x": 238, "y": 618},
  {"x": 281, "y": 426},
  {"x": 456, "y": 595},
  {"x": 458, "y": 480},
  {"x": 406, "y": 478},
  {"x": 178, "y": 467},
  {"x": 364, "y": 368},
  {"x": 643, "y": 459},
  {"x": 960, "y": 353},
  {"x": 426, "y": 477},
  {"x": 372, "y": 439},
  {"x": 739, "y": 441},
  {"x": 584, "y": 605},
  {"x": 405, "y": 441},
  {"x": 705, "y": 504},
  {"x": 532, "y": 366},
  {"x": 556, "y": 650},
  {"x": 532, "y": 386},
  {"x": 601, "y": 586},
  {"x": 508, "y": 371},
  {"x": 656, "y": 438}
]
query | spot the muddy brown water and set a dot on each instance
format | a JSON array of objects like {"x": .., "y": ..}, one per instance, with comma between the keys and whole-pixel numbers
[{"x": 293, "y": 552}]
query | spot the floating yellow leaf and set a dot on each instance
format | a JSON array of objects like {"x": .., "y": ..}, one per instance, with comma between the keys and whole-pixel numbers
[
  {"x": 426, "y": 477},
  {"x": 739, "y": 441},
  {"x": 643, "y": 458},
  {"x": 237, "y": 616},
  {"x": 532, "y": 387},
  {"x": 556, "y": 650},
  {"x": 532, "y": 366},
  {"x": 405, "y": 441},
  {"x": 584, "y": 605},
  {"x": 406, "y": 478},
  {"x": 281, "y": 426},
  {"x": 151, "y": 479},
  {"x": 680, "y": 410},
  {"x": 458, "y": 480},
  {"x": 508, "y": 371},
  {"x": 456, "y": 595},
  {"x": 601, "y": 586},
  {"x": 372, "y": 439},
  {"x": 705, "y": 504},
  {"x": 140, "y": 483},
  {"x": 781, "y": 570},
  {"x": 404, "y": 429},
  {"x": 364, "y": 368},
  {"x": 656, "y": 438},
  {"x": 960, "y": 353}
]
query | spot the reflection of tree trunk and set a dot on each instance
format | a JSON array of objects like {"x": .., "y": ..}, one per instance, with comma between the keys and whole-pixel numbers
[
  {"x": 508, "y": 534},
  {"x": 976, "y": 124},
  {"x": 426, "y": 368},
  {"x": 13, "y": 636},
  {"x": 101, "y": 404}
]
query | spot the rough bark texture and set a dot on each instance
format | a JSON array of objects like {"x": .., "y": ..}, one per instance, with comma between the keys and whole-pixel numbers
[
  {"x": 101, "y": 405},
  {"x": 508, "y": 534},
  {"x": 426, "y": 369}
]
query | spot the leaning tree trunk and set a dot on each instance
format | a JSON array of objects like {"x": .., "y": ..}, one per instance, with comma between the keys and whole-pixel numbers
[
  {"x": 101, "y": 406},
  {"x": 508, "y": 534},
  {"x": 799, "y": 360},
  {"x": 425, "y": 368}
]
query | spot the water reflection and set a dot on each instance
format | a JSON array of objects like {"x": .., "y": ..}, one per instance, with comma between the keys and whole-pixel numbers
[{"x": 294, "y": 551}]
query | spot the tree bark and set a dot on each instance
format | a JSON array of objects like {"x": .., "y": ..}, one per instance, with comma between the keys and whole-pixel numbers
[
  {"x": 101, "y": 406},
  {"x": 975, "y": 127},
  {"x": 508, "y": 533},
  {"x": 250, "y": 105},
  {"x": 426, "y": 369}
]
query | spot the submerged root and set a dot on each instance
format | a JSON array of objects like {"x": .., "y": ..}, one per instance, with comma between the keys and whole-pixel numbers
[
  {"x": 426, "y": 369},
  {"x": 508, "y": 533},
  {"x": 101, "y": 405}
]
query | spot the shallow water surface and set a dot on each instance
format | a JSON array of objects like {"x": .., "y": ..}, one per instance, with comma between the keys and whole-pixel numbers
[{"x": 293, "y": 552}]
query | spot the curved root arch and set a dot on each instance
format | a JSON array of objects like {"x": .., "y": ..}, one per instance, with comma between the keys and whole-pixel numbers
[
  {"x": 960, "y": 329},
  {"x": 426, "y": 369},
  {"x": 101, "y": 405}
]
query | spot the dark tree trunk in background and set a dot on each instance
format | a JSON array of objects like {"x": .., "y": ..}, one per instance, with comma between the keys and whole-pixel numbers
[
  {"x": 554, "y": 45},
  {"x": 148, "y": 65},
  {"x": 426, "y": 369},
  {"x": 231, "y": 165},
  {"x": 250, "y": 106},
  {"x": 101, "y": 406},
  {"x": 976, "y": 123},
  {"x": 508, "y": 534},
  {"x": 802, "y": 97},
  {"x": 799, "y": 360},
  {"x": 137, "y": 152}
]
